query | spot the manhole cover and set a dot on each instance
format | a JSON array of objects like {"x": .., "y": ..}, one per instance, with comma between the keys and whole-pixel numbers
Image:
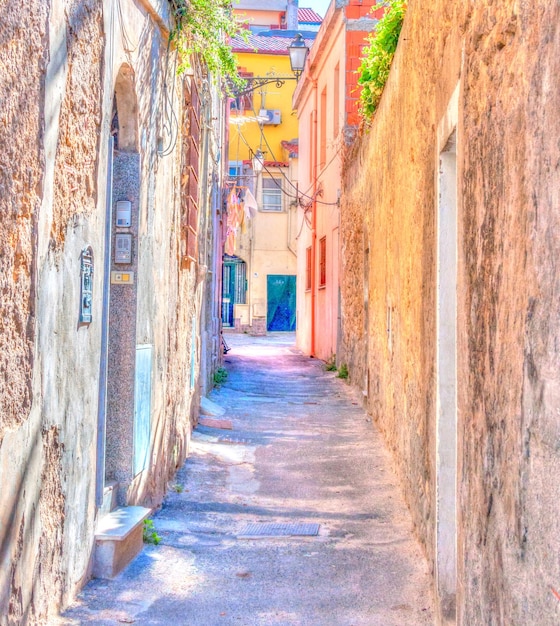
[{"x": 269, "y": 529}]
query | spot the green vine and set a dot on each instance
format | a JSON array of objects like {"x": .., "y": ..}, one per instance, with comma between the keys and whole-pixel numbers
[
  {"x": 203, "y": 28},
  {"x": 376, "y": 62}
]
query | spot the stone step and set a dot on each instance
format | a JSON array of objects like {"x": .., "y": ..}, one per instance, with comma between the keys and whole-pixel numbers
[
  {"x": 118, "y": 539},
  {"x": 109, "y": 498}
]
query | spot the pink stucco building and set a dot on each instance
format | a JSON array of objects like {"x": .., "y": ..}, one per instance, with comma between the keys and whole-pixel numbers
[{"x": 326, "y": 101}]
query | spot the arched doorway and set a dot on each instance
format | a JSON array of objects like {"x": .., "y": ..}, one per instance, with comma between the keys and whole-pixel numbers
[{"x": 118, "y": 455}]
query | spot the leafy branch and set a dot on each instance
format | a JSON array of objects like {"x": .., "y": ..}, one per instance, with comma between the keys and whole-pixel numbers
[
  {"x": 204, "y": 28},
  {"x": 376, "y": 62}
]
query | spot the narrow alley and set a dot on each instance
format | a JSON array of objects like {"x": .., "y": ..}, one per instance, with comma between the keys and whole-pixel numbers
[{"x": 288, "y": 514}]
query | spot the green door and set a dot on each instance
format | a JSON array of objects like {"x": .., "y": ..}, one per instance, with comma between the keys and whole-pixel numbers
[
  {"x": 281, "y": 302},
  {"x": 234, "y": 287}
]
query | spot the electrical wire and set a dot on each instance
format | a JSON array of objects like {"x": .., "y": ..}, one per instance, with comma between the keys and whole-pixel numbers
[
  {"x": 242, "y": 137},
  {"x": 304, "y": 195},
  {"x": 305, "y": 206},
  {"x": 170, "y": 121},
  {"x": 127, "y": 42},
  {"x": 299, "y": 198}
]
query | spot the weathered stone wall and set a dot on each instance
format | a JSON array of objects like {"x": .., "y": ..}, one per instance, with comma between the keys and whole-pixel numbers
[
  {"x": 51, "y": 59},
  {"x": 511, "y": 427},
  {"x": 80, "y": 118},
  {"x": 59, "y": 61},
  {"x": 23, "y": 59},
  {"x": 504, "y": 56}
]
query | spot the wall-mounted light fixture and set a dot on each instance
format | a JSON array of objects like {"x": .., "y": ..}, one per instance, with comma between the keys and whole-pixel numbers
[
  {"x": 298, "y": 51},
  {"x": 258, "y": 161}
]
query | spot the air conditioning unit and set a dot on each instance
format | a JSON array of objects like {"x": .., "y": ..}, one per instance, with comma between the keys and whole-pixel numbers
[{"x": 270, "y": 116}]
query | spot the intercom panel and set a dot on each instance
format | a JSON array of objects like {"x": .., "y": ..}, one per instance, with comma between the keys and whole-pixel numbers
[
  {"x": 124, "y": 213},
  {"x": 123, "y": 248}
]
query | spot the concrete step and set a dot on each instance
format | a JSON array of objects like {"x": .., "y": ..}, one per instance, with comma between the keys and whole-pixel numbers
[
  {"x": 118, "y": 539},
  {"x": 207, "y": 407}
]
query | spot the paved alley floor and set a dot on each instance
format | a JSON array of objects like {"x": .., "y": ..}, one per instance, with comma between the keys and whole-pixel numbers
[{"x": 302, "y": 452}]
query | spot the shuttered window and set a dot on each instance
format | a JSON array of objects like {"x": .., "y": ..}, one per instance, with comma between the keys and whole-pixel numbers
[
  {"x": 308, "y": 268},
  {"x": 322, "y": 262}
]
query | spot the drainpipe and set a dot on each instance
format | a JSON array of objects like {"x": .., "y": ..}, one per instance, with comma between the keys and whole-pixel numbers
[
  {"x": 206, "y": 116},
  {"x": 314, "y": 218}
]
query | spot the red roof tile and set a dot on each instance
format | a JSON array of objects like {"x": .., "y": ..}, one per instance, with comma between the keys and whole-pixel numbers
[
  {"x": 264, "y": 45},
  {"x": 308, "y": 16}
]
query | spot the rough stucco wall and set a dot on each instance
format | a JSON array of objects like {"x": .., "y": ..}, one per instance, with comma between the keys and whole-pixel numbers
[
  {"x": 49, "y": 575},
  {"x": 387, "y": 234},
  {"x": 512, "y": 241},
  {"x": 45, "y": 452},
  {"x": 167, "y": 297},
  {"x": 354, "y": 304},
  {"x": 23, "y": 58},
  {"x": 80, "y": 118},
  {"x": 52, "y": 208},
  {"x": 508, "y": 246}
]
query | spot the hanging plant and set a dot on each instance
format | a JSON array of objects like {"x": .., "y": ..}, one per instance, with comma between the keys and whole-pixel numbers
[
  {"x": 204, "y": 28},
  {"x": 376, "y": 62}
]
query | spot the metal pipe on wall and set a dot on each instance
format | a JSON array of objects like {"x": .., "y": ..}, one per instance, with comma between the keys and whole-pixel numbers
[
  {"x": 103, "y": 365},
  {"x": 314, "y": 219}
]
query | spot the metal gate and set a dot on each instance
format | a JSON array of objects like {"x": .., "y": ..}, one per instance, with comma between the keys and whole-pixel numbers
[{"x": 234, "y": 289}]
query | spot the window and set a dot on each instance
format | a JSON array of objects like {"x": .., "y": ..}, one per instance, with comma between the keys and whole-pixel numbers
[
  {"x": 323, "y": 138},
  {"x": 308, "y": 268},
  {"x": 322, "y": 262},
  {"x": 312, "y": 139},
  {"x": 235, "y": 169},
  {"x": 272, "y": 194},
  {"x": 243, "y": 103},
  {"x": 336, "y": 116},
  {"x": 190, "y": 151}
]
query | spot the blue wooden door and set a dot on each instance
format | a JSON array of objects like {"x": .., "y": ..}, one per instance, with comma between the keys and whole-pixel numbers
[{"x": 281, "y": 302}]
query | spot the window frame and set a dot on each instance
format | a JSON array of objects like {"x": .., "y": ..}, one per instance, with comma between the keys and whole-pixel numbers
[
  {"x": 323, "y": 262},
  {"x": 308, "y": 260},
  {"x": 276, "y": 187}
]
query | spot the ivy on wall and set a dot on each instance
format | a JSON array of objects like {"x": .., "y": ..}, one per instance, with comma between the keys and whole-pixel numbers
[
  {"x": 378, "y": 55},
  {"x": 203, "y": 28}
]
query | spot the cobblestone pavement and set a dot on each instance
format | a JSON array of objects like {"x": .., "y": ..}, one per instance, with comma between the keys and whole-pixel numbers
[{"x": 301, "y": 452}]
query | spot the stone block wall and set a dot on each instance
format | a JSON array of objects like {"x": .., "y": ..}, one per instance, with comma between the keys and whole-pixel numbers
[{"x": 502, "y": 58}]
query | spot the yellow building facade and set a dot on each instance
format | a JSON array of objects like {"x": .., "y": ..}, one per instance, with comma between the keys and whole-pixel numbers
[{"x": 260, "y": 262}]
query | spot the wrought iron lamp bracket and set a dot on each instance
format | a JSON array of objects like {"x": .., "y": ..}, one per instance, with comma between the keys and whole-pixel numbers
[{"x": 257, "y": 82}]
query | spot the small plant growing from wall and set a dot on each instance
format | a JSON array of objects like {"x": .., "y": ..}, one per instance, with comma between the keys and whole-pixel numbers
[
  {"x": 203, "y": 28},
  {"x": 330, "y": 365},
  {"x": 343, "y": 371},
  {"x": 220, "y": 376},
  {"x": 149, "y": 532},
  {"x": 378, "y": 55}
]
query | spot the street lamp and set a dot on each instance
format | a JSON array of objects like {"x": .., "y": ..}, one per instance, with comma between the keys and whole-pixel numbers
[
  {"x": 258, "y": 161},
  {"x": 298, "y": 54}
]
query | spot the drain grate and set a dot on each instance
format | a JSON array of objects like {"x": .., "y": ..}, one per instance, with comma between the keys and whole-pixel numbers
[{"x": 270, "y": 529}]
